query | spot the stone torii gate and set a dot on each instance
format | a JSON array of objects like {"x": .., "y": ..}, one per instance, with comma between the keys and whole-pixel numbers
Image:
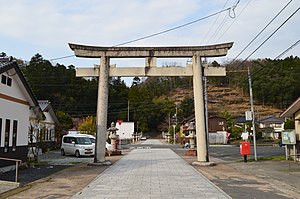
[{"x": 150, "y": 54}]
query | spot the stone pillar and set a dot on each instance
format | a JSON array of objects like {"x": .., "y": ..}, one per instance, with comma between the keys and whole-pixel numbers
[
  {"x": 199, "y": 109},
  {"x": 102, "y": 106}
]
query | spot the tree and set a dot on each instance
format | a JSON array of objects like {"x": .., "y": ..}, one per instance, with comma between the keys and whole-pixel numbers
[
  {"x": 186, "y": 107},
  {"x": 289, "y": 124},
  {"x": 65, "y": 120},
  {"x": 229, "y": 119},
  {"x": 89, "y": 125},
  {"x": 236, "y": 132}
]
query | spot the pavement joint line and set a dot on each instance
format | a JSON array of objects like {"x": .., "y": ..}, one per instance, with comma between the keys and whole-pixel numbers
[{"x": 148, "y": 164}]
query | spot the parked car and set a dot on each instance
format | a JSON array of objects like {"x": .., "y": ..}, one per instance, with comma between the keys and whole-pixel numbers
[
  {"x": 108, "y": 146},
  {"x": 143, "y": 138},
  {"x": 77, "y": 144}
]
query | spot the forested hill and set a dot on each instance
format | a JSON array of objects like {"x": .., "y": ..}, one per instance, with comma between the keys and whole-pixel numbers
[{"x": 276, "y": 83}]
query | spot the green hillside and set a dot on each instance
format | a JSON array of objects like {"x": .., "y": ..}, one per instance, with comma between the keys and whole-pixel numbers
[{"x": 152, "y": 101}]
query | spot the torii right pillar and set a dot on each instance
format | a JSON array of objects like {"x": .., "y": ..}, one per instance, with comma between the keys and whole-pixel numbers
[{"x": 199, "y": 109}]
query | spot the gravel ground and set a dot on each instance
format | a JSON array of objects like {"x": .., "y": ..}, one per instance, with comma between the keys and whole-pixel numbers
[
  {"x": 31, "y": 174},
  {"x": 52, "y": 162},
  {"x": 62, "y": 178}
]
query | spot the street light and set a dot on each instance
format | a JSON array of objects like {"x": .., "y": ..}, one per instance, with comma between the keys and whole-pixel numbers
[{"x": 174, "y": 126}]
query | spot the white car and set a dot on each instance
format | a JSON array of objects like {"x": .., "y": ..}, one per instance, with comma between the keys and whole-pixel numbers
[
  {"x": 77, "y": 144},
  {"x": 143, "y": 138},
  {"x": 108, "y": 146}
]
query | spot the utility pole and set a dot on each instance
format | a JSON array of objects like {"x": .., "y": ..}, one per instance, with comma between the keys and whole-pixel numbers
[
  {"x": 128, "y": 111},
  {"x": 174, "y": 126},
  {"x": 252, "y": 112},
  {"x": 206, "y": 116},
  {"x": 206, "y": 111}
]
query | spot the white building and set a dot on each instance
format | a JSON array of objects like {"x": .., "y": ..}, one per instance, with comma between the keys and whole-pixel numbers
[
  {"x": 45, "y": 132},
  {"x": 275, "y": 124},
  {"x": 18, "y": 106},
  {"x": 125, "y": 130}
]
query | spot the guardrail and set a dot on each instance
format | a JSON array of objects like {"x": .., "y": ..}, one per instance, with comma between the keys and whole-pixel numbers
[{"x": 17, "y": 165}]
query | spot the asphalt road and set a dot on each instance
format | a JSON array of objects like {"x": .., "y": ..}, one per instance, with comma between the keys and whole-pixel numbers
[{"x": 223, "y": 152}]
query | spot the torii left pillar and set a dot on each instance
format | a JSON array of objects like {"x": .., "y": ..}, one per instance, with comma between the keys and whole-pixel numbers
[{"x": 102, "y": 106}]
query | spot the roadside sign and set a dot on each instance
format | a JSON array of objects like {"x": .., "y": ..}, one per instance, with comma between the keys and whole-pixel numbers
[
  {"x": 288, "y": 137},
  {"x": 248, "y": 115}
]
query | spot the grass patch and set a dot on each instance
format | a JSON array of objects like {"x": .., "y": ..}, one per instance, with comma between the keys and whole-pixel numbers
[
  {"x": 37, "y": 163},
  {"x": 75, "y": 162},
  {"x": 290, "y": 170},
  {"x": 275, "y": 158}
]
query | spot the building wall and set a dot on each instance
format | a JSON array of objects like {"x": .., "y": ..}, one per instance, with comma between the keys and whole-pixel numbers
[
  {"x": 126, "y": 129},
  {"x": 276, "y": 126},
  {"x": 14, "y": 108},
  {"x": 14, "y": 112},
  {"x": 216, "y": 124},
  {"x": 50, "y": 126}
]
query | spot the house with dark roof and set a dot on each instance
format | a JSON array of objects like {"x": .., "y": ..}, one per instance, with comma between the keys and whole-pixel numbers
[
  {"x": 50, "y": 122},
  {"x": 18, "y": 106},
  {"x": 45, "y": 135},
  {"x": 240, "y": 121},
  {"x": 293, "y": 112},
  {"x": 271, "y": 127}
]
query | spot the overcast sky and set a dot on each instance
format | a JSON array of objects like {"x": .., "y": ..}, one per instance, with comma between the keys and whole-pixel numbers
[{"x": 46, "y": 27}]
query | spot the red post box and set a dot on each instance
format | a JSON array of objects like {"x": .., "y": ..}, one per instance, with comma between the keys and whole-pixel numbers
[{"x": 245, "y": 148}]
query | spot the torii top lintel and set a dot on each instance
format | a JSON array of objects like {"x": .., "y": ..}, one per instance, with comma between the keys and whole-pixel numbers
[{"x": 164, "y": 52}]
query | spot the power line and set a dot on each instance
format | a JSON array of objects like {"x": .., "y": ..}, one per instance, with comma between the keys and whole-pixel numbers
[
  {"x": 232, "y": 9},
  {"x": 288, "y": 49},
  {"x": 234, "y": 20},
  {"x": 267, "y": 38},
  {"x": 273, "y": 33},
  {"x": 260, "y": 34},
  {"x": 217, "y": 30},
  {"x": 214, "y": 23},
  {"x": 280, "y": 55},
  {"x": 177, "y": 27}
]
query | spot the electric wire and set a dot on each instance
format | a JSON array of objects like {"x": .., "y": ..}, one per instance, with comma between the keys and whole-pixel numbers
[
  {"x": 272, "y": 34},
  {"x": 211, "y": 27},
  {"x": 288, "y": 49},
  {"x": 280, "y": 55},
  {"x": 177, "y": 27},
  {"x": 230, "y": 9},
  {"x": 234, "y": 20},
  {"x": 218, "y": 29},
  {"x": 261, "y": 33}
]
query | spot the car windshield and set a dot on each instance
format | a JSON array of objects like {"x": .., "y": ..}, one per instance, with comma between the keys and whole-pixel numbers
[
  {"x": 93, "y": 140},
  {"x": 83, "y": 140}
]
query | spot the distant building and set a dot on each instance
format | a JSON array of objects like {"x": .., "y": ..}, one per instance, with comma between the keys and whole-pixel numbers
[
  {"x": 45, "y": 135},
  {"x": 240, "y": 121},
  {"x": 271, "y": 127},
  {"x": 216, "y": 123},
  {"x": 217, "y": 129},
  {"x": 125, "y": 130},
  {"x": 18, "y": 106}
]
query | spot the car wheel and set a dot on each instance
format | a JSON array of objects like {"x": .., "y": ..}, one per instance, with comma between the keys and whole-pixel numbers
[
  {"x": 77, "y": 154},
  {"x": 62, "y": 152}
]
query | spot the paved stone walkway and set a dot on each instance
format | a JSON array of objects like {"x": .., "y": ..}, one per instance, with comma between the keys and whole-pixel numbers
[{"x": 151, "y": 173}]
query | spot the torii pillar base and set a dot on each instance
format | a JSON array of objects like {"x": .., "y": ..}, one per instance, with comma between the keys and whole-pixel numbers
[{"x": 105, "y": 163}]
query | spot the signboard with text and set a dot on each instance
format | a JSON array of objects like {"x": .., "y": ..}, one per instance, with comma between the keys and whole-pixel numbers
[{"x": 288, "y": 137}]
